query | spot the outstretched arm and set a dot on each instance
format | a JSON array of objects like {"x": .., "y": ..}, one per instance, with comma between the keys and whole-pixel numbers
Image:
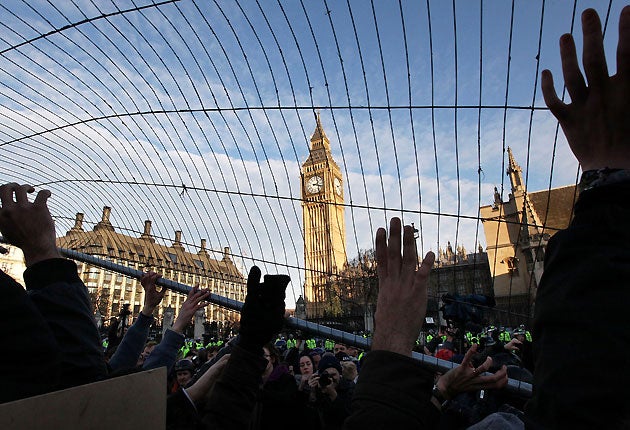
[
  {"x": 231, "y": 402},
  {"x": 583, "y": 294},
  {"x": 132, "y": 344},
  {"x": 165, "y": 354},
  {"x": 596, "y": 122},
  {"x": 394, "y": 391},
  {"x": 402, "y": 297},
  {"x": 53, "y": 284}
]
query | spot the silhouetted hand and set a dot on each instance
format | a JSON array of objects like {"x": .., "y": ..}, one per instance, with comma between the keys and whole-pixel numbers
[
  {"x": 263, "y": 312},
  {"x": 28, "y": 225},
  {"x": 402, "y": 296},
  {"x": 597, "y": 121},
  {"x": 466, "y": 378},
  {"x": 152, "y": 297},
  {"x": 513, "y": 345},
  {"x": 191, "y": 305}
]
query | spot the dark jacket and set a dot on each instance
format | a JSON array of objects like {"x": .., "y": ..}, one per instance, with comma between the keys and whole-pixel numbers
[
  {"x": 277, "y": 401},
  {"x": 60, "y": 296},
  {"x": 30, "y": 359},
  {"x": 132, "y": 344},
  {"x": 326, "y": 414},
  {"x": 392, "y": 392},
  {"x": 230, "y": 404},
  {"x": 181, "y": 413},
  {"x": 165, "y": 352},
  {"x": 584, "y": 296}
]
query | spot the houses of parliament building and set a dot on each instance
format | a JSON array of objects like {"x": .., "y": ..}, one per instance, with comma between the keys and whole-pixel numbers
[{"x": 109, "y": 290}]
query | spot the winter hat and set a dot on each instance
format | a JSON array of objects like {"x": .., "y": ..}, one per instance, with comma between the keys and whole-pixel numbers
[
  {"x": 328, "y": 361},
  {"x": 317, "y": 351},
  {"x": 342, "y": 356},
  {"x": 185, "y": 364}
]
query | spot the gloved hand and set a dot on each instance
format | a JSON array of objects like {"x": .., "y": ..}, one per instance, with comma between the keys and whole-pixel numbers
[{"x": 263, "y": 313}]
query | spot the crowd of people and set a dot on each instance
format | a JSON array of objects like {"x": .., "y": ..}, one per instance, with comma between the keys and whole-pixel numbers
[{"x": 249, "y": 383}]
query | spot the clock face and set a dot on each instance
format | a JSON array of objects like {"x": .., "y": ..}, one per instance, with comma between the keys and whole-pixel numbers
[
  {"x": 338, "y": 187},
  {"x": 314, "y": 184}
]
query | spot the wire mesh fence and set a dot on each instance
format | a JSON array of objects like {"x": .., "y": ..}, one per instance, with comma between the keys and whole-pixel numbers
[{"x": 204, "y": 116}]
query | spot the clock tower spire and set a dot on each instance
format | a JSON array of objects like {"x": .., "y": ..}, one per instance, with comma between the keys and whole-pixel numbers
[{"x": 323, "y": 218}]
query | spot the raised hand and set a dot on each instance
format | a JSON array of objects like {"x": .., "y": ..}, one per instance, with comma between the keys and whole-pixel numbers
[
  {"x": 263, "y": 312},
  {"x": 402, "y": 296},
  {"x": 152, "y": 297},
  {"x": 465, "y": 377},
  {"x": 191, "y": 305},
  {"x": 597, "y": 121},
  {"x": 27, "y": 225},
  {"x": 513, "y": 345}
]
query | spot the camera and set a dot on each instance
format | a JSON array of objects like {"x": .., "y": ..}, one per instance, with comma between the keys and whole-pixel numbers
[{"x": 325, "y": 379}]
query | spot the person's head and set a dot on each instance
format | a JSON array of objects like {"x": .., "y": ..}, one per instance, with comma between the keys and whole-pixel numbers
[
  {"x": 202, "y": 356},
  {"x": 330, "y": 366},
  {"x": 339, "y": 347},
  {"x": 280, "y": 346},
  {"x": 306, "y": 365},
  {"x": 184, "y": 371},
  {"x": 316, "y": 355},
  {"x": 148, "y": 349},
  {"x": 352, "y": 351},
  {"x": 451, "y": 332},
  {"x": 519, "y": 334},
  {"x": 349, "y": 370},
  {"x": 271, "y": 354}
]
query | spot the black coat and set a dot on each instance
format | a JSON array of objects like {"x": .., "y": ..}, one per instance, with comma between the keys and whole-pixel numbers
[
  {"x": 49, "y": 336},
  {"x": 231, "y": 402},
  {"x": 393, "y": 392},
  {"x": 583, "y": 296}
]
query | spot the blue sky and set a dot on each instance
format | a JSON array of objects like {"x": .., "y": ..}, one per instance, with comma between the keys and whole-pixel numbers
[{"x": 219, "y": 96}]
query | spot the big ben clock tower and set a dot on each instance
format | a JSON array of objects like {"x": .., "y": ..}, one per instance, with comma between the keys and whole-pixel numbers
[{"x": 323, "y": 217}]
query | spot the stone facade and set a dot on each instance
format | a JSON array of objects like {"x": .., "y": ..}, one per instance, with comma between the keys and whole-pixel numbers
[
  {"x": 12, "y": 263},
  {"x": 458, "y": 272},
  {"x": 110, "y": 291},
  {"x": 517, "y": 232}
]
